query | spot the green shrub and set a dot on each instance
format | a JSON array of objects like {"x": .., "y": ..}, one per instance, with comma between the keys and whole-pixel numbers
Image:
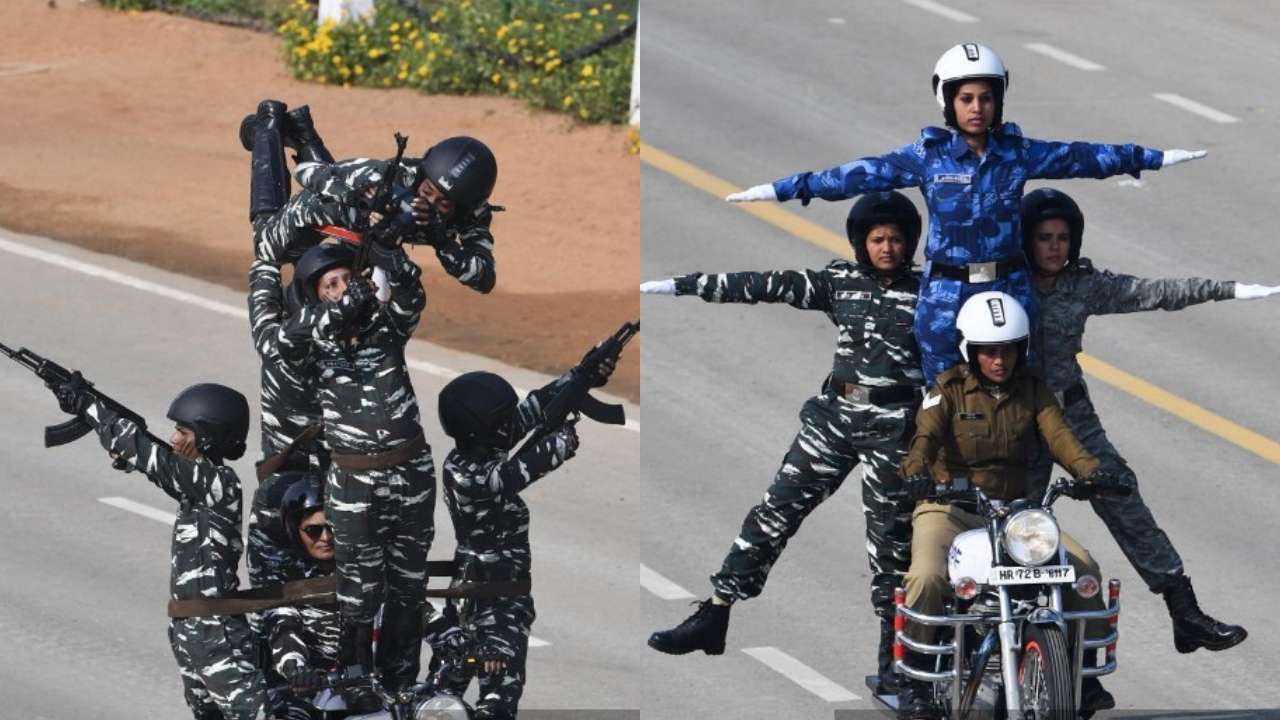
[
  {"x": 493, "y": 47},
  {"x": 243, "y": 9}
]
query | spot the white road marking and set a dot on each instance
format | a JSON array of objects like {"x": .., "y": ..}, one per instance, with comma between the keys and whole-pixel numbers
[
  {"x": 8, "y": 69},
  {"x": 660, "y": 586},
  {"x": 836, "y": 21},
  {"x": 234, "y": 311},
  {"x": 1198, "y": 108},
  {"x": 1063, "y": 56},
  {"x": 138, "y": 508},
  {"x": 945, "y": 11},
  {"x": 801, "y": 674},
  {"x": 538, "y": 642}
]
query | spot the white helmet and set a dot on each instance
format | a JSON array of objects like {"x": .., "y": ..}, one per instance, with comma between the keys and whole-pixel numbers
[
  {"x": 967, "y": 62},
  {"x": 991, "y": 318}
]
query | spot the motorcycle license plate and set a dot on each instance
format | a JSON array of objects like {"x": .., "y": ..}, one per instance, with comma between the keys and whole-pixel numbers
[{"x": 1032, "y": 575}]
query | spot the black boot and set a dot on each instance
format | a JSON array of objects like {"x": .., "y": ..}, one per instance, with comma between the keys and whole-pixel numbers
[
  {"x": 887, "y": 676},
  {"x": 399, "y": 646},
  {"x": 355, "y": 650},
  {"x": 1094, "y": 697},
  {"x": 704, "y": 630},
  {"x": 1192, "y": 629},
  {"x": 915, "y": 701},
  {"x": 300, "y": 135},
  {"x": 249, "y": 125},
  {"x": 269, "y": 181}
]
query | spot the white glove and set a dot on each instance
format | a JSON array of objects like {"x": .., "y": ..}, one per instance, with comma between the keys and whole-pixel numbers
[
  {"x": 1255, "y": 292},
  {"x": 1173, "y": 157},
  {"x": 668, "y": 287},
  {"x": 383, "y": 285},
  {"x": 754, "y": 194}
]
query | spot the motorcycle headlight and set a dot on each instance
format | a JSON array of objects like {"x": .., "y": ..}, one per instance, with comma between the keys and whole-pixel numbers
[
  {"x": 1031, "y": 537},
  {"x": 442, "y": 707}
]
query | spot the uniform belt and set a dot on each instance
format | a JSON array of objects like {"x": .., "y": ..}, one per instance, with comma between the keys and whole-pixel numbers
[
  {"x": 978, "y": 272},
  {"x": 1072, "y": 395},
  {"x": 398, "y": 455},
  {"x": 875, "y": 395}
]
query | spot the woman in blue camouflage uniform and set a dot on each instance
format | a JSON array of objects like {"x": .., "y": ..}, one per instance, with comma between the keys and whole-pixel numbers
[
  {"x": 1070, "y": 290},
  {"x": 862, "y": 417},
  {"x": 971, "y": 176}
]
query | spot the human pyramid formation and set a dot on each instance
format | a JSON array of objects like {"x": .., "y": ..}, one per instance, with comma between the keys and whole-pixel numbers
[
  {"x": 990, "y": 331},
  {"x": 347, "y": 480}
]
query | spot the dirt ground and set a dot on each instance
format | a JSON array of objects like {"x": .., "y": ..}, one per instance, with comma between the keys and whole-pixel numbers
[{"x": 119, "y": 134}]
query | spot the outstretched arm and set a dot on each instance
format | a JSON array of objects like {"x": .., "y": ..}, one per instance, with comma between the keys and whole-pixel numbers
[
  {"x": 897, "y": 169},
  {"x": 806, "y": 290},
  {"x": 1110, "y": 293},
  {"x": 1095, "y": 160}
]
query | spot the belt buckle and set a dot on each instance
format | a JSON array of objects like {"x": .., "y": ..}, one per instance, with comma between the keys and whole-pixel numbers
[
  {"x": 982, "y": 272},
  {"x": 857, "y": 393}
]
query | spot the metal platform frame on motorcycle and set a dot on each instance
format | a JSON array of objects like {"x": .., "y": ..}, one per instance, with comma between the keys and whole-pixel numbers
[{"x": 956, "y": 648}]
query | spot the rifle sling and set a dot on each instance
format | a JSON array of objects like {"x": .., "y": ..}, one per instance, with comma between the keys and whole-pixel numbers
[
  {"x": 323, "y": 591},
  {"x": 268, "y": 467}
]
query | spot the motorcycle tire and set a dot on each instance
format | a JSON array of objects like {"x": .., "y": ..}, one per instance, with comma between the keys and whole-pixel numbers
[{"x": 1044, "y": 674}]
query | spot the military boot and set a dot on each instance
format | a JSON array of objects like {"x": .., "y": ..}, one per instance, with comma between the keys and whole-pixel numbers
[
  {"x": 1192, "y": 629},
  {"x": 703, "y": 630},
  {"x": 399, "y": 646},
  {"x": 915, "y": 699},
  {"x": 269, "y": 179},
  {"x": 249, "y": 125},
  {"x": 355, "y": 650},
  {"x": 300, "y": 135},
  {"x": 887, "y": 677},
  {"x": 1094, "y": 697}
]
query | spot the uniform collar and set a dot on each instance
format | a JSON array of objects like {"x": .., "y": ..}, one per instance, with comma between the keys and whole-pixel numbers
[{"x": 1000, "y": 141}]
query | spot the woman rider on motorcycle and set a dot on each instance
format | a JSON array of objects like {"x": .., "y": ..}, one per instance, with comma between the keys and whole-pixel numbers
[{"x": 981, "y": 420}]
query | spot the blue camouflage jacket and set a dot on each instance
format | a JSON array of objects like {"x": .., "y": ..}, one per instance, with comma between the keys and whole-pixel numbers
[{"x": 974, "y": 202}]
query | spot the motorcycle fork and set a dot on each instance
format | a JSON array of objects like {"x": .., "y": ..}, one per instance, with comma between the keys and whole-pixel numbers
[{"x": 1009, "y": 653}]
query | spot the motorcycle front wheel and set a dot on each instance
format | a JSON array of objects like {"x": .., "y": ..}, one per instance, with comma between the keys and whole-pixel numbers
[{"x": 1044, "y": 674}]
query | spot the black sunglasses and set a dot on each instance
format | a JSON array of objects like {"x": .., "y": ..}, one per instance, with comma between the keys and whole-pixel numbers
[{"x": 315, "y": 531}]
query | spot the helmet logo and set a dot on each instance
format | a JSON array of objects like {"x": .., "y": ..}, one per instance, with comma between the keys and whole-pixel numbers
[
  {"x": 462, "y": 164},
  {"x": 996, "y": 306},
  {"x": 444, "y": 183},
  {"x": 971, "y": 52}
]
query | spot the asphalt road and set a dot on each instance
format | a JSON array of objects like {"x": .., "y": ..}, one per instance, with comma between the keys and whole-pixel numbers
[
  {"x": 753, "y": 91},
  {"x": 83, "y": 584}
]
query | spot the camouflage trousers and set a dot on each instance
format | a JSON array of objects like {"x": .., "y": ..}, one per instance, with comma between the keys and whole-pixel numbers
[
  {"x": 285, "y": 234},
  {"x": 219, "y": 676},
  {"x": 495, "y": 629},
  {"x": 383, "y": 523},
  {"x": 1127, "y": 517},
  {"x": 940, "y": 301},
  {"x": 835, "y": 435}
]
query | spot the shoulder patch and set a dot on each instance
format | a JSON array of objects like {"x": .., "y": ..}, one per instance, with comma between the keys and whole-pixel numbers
[{"x": 931, "y": 400}]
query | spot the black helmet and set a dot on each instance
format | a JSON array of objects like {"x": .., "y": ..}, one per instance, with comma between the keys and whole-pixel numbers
[
  {"x": 882, "y": 208},
  {"x": 218, "y": 415},
  {"x": 463, "y": 168},
  {"x": 316, "y": 262},
  {"x": 1049, "y": 204},
  {"x": 304, "y": 496},
  {"x": 476, "y": 409}
]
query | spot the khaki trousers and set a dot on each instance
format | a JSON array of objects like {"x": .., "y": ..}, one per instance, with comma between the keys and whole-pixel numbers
[{"x": 934, "y": 526}]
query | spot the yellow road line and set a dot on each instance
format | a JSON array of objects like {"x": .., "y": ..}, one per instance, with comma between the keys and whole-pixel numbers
[{"x": 773, "y": 214}]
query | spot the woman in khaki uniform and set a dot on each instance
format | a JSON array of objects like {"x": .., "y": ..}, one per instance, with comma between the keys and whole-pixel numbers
[{"x": 984, "y": 419}]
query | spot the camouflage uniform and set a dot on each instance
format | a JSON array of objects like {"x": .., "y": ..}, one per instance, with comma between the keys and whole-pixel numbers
[
  {"x": 491, "y": 524},
  {"x": 215, "y": 654},
  {"x": 304, "y": 637},
  {"x": 875, "y": 352},
  {"x": 382, "y": 518},
  {"x": 974, "y": 210},
  {"x": 329, "y": 196},
  {"x": 1082, "y": 291}
]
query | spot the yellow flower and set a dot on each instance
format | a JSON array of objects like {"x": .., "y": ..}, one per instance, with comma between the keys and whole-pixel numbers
[
  {"x": 358, "y": 69},
  {"x": 395, "y": 38},
  {"x": 431, "y": 56},
  {"x": 607, "y": 7},
  {"x": 572, "y": 16},
  {"x": 386, "y": 82},
  {"x": 551, "y": 64},
  {"x": 535, "y": 81},
  {"x": 539, "y": 27},
  {"x": 413, "y": 34},
  {"x": 337, "y": 59},
  {"x": 568, "y": 101},
  {"x": 496, "y": 78},
  {"x": 593, "y": 11},
  {"x": 364, "y": 39},
  {"x": 587, "y": 70},
  {"x": 344, "y": 72},
  {"x": 423, "y": 70},
  {"x": 395, "y": 26},
  {"x": 512, "y": 86},
  {"x": 501, "y": 32},
  {"x": 403, "y": 75},
  {"x": 374, "y": 53},
  {"x": 624, "y": 17},
  {"x": 419, "y": 45},
  {"x": 434, "y": 37},
  {"x": 582, "y": 113}
]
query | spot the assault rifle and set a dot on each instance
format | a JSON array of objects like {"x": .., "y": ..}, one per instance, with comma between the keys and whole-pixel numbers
[
  {"x": 385, "y": 203},
  {"x": 77, "y": 427},
  {"x": 575, "y": 397}
]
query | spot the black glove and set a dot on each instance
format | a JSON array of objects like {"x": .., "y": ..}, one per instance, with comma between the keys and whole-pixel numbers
[
  {"x": 568, "y": 433},
  {"x": 358, "y": 302},
  {"x": 918, "y": 486},
  {"x": 384, "y": 251},
  {"x": 307, "y": 681},
  {"x": 603, "y": 370},
  {"x": 433, "y": 230},
  {"x": 1107, "y": 483},
  {"x": 72, "y": 394}
]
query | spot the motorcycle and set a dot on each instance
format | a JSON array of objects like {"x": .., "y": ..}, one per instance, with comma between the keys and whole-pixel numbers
[
  {"x": 1009, "y": 647},
  {"x": 425, "y": 701}
]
